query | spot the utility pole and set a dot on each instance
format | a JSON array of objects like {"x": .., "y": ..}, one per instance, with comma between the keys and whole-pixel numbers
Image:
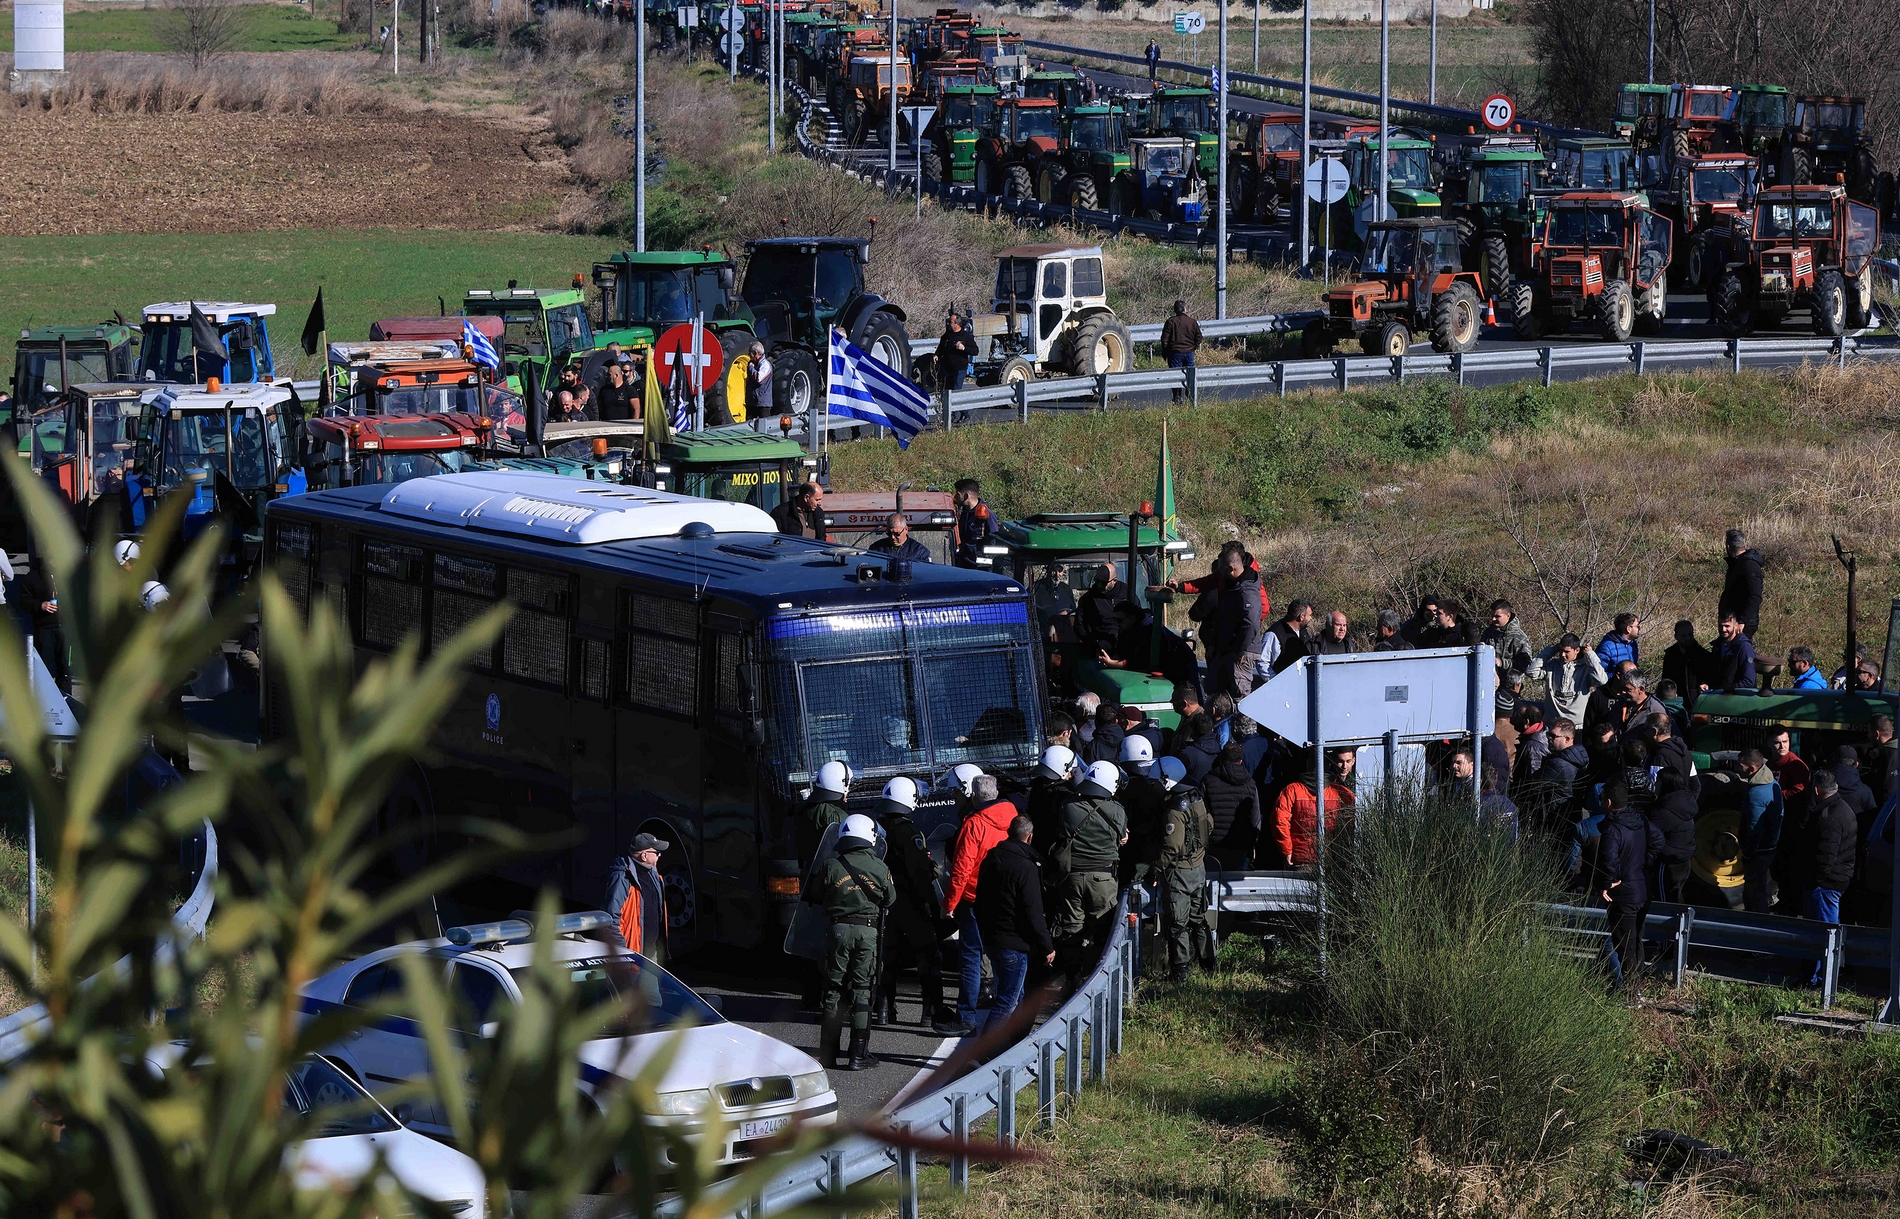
[
  {"x": 395, "y": 37},
  {"x": 640, "y": 124},
  {"x": 1431, "y": 90},
  {"x": 1220, "y": 175},
  {"x": 1306, "y": 129},
  {"x": 1256, "y": 37},
  {"x": 1385, "y": 97},
  {"x": 1650, "y": 79},
  {"x": 771, "y": 81},
  {"x": 731, "y": 39},
  {"x": 890, "y": 180}
]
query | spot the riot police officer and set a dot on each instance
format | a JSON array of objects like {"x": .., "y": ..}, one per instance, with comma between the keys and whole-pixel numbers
[
  {"x": 1145, "y": 800},
  {"x": 854, "y": 889},
  {"x": 914, "y": 931},
  {"x": 1083, "y": 860},
  {"x": 822, "y": 809},
  {"x": 1049, "y": 790},
  {"x": 1181, "y": 872}
]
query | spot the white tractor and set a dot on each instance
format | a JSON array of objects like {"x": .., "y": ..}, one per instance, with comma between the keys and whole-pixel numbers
[{"x": 1051, "y": 315}]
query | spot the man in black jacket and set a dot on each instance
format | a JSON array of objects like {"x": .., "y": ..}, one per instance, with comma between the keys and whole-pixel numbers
[
  {"x": 1631, "y": 846},
  {"x": 1832, "y": 836},
  {"x": 1233, "y": 800},
  {"x": 41, "y": 601},
  {"x": 1009, "y": 914},
  {"x": 955, "y": 350},
  {"x": 1877, "y": 756},
  {"x": 803, "y": 515},
  {"x": 1741, "y": 585},
  {"x": 897, "y": 542},
  {"x": 916, "y": 930},
  {"x": 1674, "y": 815}
]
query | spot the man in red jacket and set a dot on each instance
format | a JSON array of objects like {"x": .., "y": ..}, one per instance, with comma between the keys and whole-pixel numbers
[
  {"x": 1295, "y": 827},
  {"x": 980, "y": 831}
]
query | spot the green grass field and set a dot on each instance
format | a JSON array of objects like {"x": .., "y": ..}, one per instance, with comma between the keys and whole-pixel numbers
[
  {"x": 271, "y": 27},
  {"x": 365, "y": 274}
]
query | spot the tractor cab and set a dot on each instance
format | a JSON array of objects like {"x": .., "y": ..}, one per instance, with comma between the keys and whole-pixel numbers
[
  {"x": 542, "y": 329},
  {"x": 797, "y": 289},
  {"x": 1025, "y": 122},
  {"x": 736, "y": 465},
  {"x": 354, "y": 451},
  {"x": 1064, "y": 86},
  {"x": 860, "y": 519},
  {"x": 1758, "y": 121},
  {"x": 1705, "y": 197},
  {"x": 1168, "y": 185},
  {"x": 1056, "y": 554},
  {"x": 1640, "y": 110},
  {"x": 1595, "y": 164},
  {"x": 963, "y": 114},
  {"x": 1102, "y": 129},
  {"x": 1409, "y": 190},
  {"x": 48, "y": 359},
  {"x": 228, "y": 447},
  {"x": 941, "y": 77},
  {"x": 1049, "y": 311},
  {"x": 1179, "y": 111},
  {"x": 355, "y": 371},
  {"x": 1695, "y": 119},
  {"x": 991, "y": 43},
  {"x": 1830, "y": 123},
  {"x": 84, "y": 442},
  {"x": 1264, "y": 165},
  {"x": 641, "y": 295},
  {"x": 1828, "y": 142},
  {"x": 166, "y": 351}
]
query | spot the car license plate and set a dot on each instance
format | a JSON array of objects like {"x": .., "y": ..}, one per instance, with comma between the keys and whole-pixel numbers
[{"x": 763, "y": 1128}]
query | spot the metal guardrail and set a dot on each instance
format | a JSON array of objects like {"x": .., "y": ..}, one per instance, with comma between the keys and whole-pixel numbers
[
  {"x": 1069, "y": 1049},
  {"x": 1294, "y": 894},
  {"x": 1223, "y": 328},
  {"x": 188, "y": 922}
]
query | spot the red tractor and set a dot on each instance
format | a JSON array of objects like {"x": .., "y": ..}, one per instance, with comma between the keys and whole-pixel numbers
[
  {"x": 1027, "y": 130},
  {"x": 1694, "y": 122},
  {"x": 1413, "y": 283},
  {"x": 1701, "y": 199},
  {"x": 1807, "y": 247},
  {"x": 1264, "y": 166},
  {"x": 1601, "y": 257}
]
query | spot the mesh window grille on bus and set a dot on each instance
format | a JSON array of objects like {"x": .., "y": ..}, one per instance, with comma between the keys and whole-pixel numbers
[
  {"x": 392, "y": 592},
  {"x": 296, "y": 547},
  {"x": 534, "y": 643},
  {"x": 662, "y": 662},
  {"x": 464, "y": 591}
]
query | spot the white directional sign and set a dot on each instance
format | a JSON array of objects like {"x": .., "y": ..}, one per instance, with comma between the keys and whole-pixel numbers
[
  {"x": 1424, "y": 695},
  {"x": 689, "y": 18},
  {"x": 1326, "y": 180},
  {"x": 1498, "y": 112},
  {"x": 1189, "y": 23}
]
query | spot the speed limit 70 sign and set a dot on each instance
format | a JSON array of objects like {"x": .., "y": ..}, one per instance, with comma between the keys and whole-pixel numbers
[{"x": 1498, "y": 112}]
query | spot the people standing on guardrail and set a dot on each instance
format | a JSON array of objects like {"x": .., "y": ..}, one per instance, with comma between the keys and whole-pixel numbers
[
  {"x": 1082, "y": 862},
  {"x": 1830, "y": 850},
  {"x": 854, "y": 889},
  {"x": 1741, "y": 583},
  {"x": 1762, "y": 815},
  {"x": 1285, "y": 642},
  {"x": 1674, "y": 816},
  {"x": 1510, "y": 645},
  {"x": 1631, "y": 846},
  {"x": 1687, "y": 663},
  {"x": 1295, "y": 818},
  {"x": 1153, "y": 56},
  {"x": 985, "y": 826},
  {"x": 637, "y": 897},
  {"x": 1573, "y": 672},
  {"x": 1180, "y": 339},
  {"x": 915, "y": 929},
  {"x": 1009, "y": 910},
  {"x": 955, "y": 351},
  {"x": 1181, "y": 872},
  {"x": 1233, "y": 801}
]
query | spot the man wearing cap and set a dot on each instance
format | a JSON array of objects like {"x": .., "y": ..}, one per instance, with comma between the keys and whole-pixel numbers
[
  {"x": 636, "y": 897},
  {"x": 854, "y": 889}
]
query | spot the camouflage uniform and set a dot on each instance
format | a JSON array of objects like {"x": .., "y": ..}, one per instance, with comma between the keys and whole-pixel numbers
[{"x": 1181, "y": 871}]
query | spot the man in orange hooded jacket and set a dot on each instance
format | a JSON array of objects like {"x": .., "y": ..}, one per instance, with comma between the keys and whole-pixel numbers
[
  {"x": 1295, "y": 828},
  {"x": 986, "y": 826}
]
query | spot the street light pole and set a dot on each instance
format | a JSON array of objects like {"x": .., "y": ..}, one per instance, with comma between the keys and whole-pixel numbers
[
  {"x": 1385, "y": 97},
  {"x": 1306, "y": 130},
  {"x": 771, "y": 81},
  {"x": 1256, "y": 36},
  {"x": 1650, "y": 78},
  {"x": 890, "y": 180},
  {"x": 1431, "y": 91},
  {"x": 640, "y": 125},
  {"x": 1221, "y": 176}
]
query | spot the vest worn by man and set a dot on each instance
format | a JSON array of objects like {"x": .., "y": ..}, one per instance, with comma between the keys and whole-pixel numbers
[
  {"x": 809, "y": 824},
  {"x": 1090, "y": 838},
  {"x": 1185, "y": 834},
  {"x": 852, "y": 888}
]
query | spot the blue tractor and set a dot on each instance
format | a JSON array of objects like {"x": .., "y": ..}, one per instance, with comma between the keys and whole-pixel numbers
[
  {"x": 167, "y": 353},
  {"x": 1163, "y": 181}
]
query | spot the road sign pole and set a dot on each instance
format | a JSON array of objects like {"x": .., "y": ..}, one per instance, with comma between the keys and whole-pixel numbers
[
  {"x": 699, "y": 377},
  {"x": 1306, "y": 125},
  {"x": 1220, "y": 174},
  {"x": 1326, "y": 193},
  {"x": 771, "y": 85},
  {"x": 1431, "y": 91},
  {"x": 731, "y": 39},
  {"x": 890, "y": 180},
  {"x": 1318, "y": 735},
  {"x": 1256, "y": 35},
  {"x": 1385, "y": 99}
]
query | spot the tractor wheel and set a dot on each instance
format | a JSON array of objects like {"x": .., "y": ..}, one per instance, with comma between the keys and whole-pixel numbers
[
  {"x": 1123, "y": 199},
  {"x": 933, "y": 168},
  {"x": 1652, "y": 305},
  {"x": 1728, "y": 305},
  {"x": 1016, "y": 183},
  {"x": 1316, "y": 341},
  {"x": 1266, "y": 202},
  {"x": 1495, "y": 265},
  {"x": 1860, "y": 301},
  {"x": 1015, "y": 369},
  {"x": 1679, "y": 146},
  {"x": 1080, "y": 191},
  {"x": 1525, "y": 324},
  {"x": 1391, "y": 339},
  {"x": 1098, "y": 344},
  {"x": 1048, "y": 187},
  {"x": 1862, "y": 181},
  {"x": 882, "y": 336},
  {"x": 1241, "y": 185},
  {"x": 1800, "y": 167},
  {"x": 796, "y": 384},
  {"x": 1457, "y": 318},
  {"x": 1830, "y": 305},
  {"x": 854, "y": 122},
  {"x": 985, "y": 178},
  {"x": 1467, "y": 239},
  {"x": 1616, "y": 311},
  {"x": 733, "y": 343},
  {"x": 1700, "y": 264}
]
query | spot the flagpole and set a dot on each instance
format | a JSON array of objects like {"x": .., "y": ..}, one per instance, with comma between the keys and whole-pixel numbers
[{"x": 699, "y": 377}]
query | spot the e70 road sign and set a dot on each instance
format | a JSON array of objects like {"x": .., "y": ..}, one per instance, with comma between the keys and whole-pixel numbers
[
  {"x": 1498, "y": 112},
  {"x": 1189, "y": 23}
]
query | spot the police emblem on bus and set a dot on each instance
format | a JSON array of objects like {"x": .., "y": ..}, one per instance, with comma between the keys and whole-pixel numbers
[{"x": 493, "y": 735}]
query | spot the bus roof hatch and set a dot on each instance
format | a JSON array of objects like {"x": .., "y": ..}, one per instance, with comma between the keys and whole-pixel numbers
[{"x": 558, "y": 509}]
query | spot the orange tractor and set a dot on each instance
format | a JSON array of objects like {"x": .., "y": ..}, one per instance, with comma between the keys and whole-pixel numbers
[
  {"x": 1807, "y": 247},
  {"x": 1264, "y": 168},
  {"x": 1601, "y": 257},
  {"x": 1414, "y": 283}
]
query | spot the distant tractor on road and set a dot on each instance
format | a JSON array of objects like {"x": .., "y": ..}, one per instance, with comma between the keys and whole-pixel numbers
[
  {"x": 166, "y": 351},
  {"x": 1050, "y": 314},
  {"x": 1412, "y": 282},
  {"x": 797, "y": 289},
  {"x": 1701, "y": 198}
]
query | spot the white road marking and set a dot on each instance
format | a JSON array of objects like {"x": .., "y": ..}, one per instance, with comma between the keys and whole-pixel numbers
[{"x": 937, "y": 1057}]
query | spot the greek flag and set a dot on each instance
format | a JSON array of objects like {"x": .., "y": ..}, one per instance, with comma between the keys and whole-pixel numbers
[
  {"x": 861, "y": 387},
  {"x": 480, "y": 349},
  {"x": 1213, "y": 78}
]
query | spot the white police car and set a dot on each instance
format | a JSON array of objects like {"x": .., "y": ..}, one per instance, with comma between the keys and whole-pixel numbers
[{"x": 754, "y": 1085}]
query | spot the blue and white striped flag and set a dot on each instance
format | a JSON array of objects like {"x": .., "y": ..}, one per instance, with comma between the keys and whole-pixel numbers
[
  {"x": 480, "y": 349},
  {"x": 862, "y": 387}
]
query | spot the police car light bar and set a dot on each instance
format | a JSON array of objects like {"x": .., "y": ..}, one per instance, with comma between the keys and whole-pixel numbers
[
  {"x": 586, "y": 920},
  {"x": 490, "y": 933}
]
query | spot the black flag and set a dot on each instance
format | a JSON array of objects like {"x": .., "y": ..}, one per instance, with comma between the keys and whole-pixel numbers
[
  {"x": 204, "y": 336},
  {"x": 314, "y": 328}
]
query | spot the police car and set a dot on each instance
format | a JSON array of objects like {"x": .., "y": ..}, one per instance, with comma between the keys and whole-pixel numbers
[{"x": 723, "y": 1077}]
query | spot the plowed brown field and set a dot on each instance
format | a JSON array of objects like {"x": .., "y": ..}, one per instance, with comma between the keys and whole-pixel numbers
[{"x": 79, "y": 172}]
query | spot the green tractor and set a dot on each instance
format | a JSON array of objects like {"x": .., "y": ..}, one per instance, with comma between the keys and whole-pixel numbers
[
  {"x": 48, "y": 359},
  {"x": 1082, "y": 171},
  {"x": 542, "y": 329},
  {"x": 805, "y": 49},
  {"x": 734, "y": 464},
  {"x": 963, "y": 114},
  {"x": 797, "y": 289},
  {"x": 1409, "y": 190},
  {"x": 1640, "y": 111},
  {"x": 1758, "y": 125},
  {"x": 642, "y": 295},
  {"x": 1596, "y": 163},
  {"x": 1061, "y": 84},
  {"x": 1491, "y": 193},
  {"x": 1077, "y": 543},
  {"x": 1178, "y": 110}
]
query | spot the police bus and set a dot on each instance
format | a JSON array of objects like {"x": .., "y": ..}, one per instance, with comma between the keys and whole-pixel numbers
[{"x": 673, "y": 665}]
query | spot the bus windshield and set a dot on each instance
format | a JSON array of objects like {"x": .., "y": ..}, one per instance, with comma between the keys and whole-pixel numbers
[{"x": 911, "y": 690}]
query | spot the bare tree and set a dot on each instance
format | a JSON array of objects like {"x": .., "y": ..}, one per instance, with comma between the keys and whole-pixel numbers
[
  {"x": 1585, "y": 553},
  {"x": 203, "y": 29}
]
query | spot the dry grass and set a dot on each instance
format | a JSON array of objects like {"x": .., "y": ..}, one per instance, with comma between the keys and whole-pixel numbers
[{"x": 313, "y": 84}]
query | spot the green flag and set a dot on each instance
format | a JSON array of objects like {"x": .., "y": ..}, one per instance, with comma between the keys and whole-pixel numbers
[{"x": 1165, "y": 519}]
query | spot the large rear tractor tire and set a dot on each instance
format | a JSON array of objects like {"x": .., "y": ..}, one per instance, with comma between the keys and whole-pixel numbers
[
  {"x": 1017, "y": 184},
  {"x": 882, "y": 336},
  {"x": 1525, "y": 324},
  {"x": 1241, "y": 186},
  {"x": 1800, "y": 167},
  {"x": 1467, "y": 239},
  {"x": 1728, "y": 306},
  {"x": 932, "y": 168},
  {"x": 796, "y": 384},
  {"x": 1495, "y": 265},
  {"x": 1652, "y": 305},
  {"x": 1049, "y": 186},
  {"x": 1457, "y": 319},
  {"x": 1123, "y": 198},
  {"x": 1830, "y": 305},
  {"x": 1863, "y": 183},
  {"x": 985, "y": 178},
  {"x": 1266, "y": 202},
  {"x": 733, "y": 343},
  {"x": 1679, "y": 146},
  {"x": 854, "y": 122},
  {"x": 1616, "y": 311},
  {"x": 1079, "y": 191},
  {"x": 1860, "y": 301},
  {"x": 1098, "y": 344}
]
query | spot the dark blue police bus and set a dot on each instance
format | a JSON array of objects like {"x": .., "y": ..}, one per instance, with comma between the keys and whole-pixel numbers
[{"x": 673, "y": 665}]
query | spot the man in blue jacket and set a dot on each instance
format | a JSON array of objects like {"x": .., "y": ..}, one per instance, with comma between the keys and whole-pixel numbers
[
  {"x": 1733, "y": 657},
  {"x": 1620, "y": 644}
]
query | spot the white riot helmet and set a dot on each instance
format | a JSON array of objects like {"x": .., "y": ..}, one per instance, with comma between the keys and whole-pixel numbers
[
  {"x": 1101, "y": 779},
  {"x": 857, "y": 828},
  {"x": 1137, "y": 754},
  {"x": 834, "y": 778},
  {"x": 152, "y": 594},
  {"x": 960, "y": 778},
  {"x": 1057, "y": 762},
  {"x": 125, "y": 552},
  {"x": 1172, "y": 772},
  {"x": 902, "y": 790}
]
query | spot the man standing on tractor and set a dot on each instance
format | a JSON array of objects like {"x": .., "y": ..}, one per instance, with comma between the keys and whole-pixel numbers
[
  {"x": 618, "y": 397},
  {"x": 758, "y": 377},
  {"x": 976, "y": 524},
  {"x": 1180, "y": 339}
]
